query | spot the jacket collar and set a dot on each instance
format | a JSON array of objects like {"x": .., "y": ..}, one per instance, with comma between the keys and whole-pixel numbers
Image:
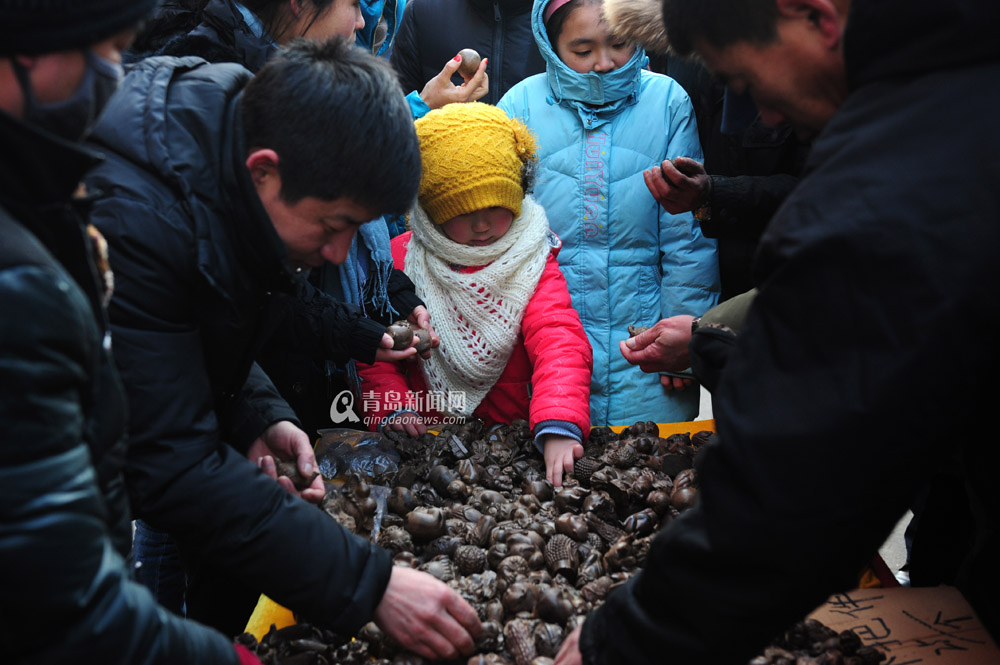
[
  {"x": 39, "y": 176},
  {"x": 257, "y": 243},
  {"x": 250, "y": 43},
  {"x": 604, "y": 93}
]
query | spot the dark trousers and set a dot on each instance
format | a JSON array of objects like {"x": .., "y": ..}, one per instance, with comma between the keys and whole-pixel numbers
[{"x": 158, "y": 566}]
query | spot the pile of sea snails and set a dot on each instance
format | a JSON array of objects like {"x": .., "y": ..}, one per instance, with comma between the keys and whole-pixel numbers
[
  {"x": 471, "y": 506},
  {"x": 809, "y": 642}
]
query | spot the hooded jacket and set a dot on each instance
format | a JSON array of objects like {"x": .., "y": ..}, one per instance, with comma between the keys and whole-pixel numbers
[
  {"x": 626, "y": 260},
  {"x": 201, "y": 284},
  {"x": 753, "y": 167},
  {"x": 65, "y": 515},
  {"x": 382, "y": 18},
  {"x": 220, "y": 33},
  {"x": 433, "y": 31},
  {"x": 546, "y": 379},
  {"x": 878, "y": 271}
]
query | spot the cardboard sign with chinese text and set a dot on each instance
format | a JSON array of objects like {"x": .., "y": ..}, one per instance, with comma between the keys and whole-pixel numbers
[{"x": 925, "y": 626}]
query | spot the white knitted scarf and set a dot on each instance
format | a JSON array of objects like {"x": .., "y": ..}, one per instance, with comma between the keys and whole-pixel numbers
[{"x": 477, "y": 315}]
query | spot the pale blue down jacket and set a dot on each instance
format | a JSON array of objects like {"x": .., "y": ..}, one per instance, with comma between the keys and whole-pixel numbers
[{"x": 627, "y": 261}]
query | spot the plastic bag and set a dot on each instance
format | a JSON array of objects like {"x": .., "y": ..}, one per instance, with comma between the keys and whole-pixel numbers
[{"x": 367, "y": 454}]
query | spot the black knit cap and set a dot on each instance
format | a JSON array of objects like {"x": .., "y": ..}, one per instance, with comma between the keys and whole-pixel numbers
[{"x": 30, "y": 27}]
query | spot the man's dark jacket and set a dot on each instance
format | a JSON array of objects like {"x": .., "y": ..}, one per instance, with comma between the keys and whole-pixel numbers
[
  {"x": 201, "y": 284},
  {"x": 64, "y": 517},
  {"x": 308, "y": 382},
  {"x": 433, "y": 31},
  {"x": 873, "y": 338},
  {"x": 753, "y": 169}
]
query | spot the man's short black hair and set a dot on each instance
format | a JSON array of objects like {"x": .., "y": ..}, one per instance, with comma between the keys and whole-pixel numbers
[
  {"x": 719, "y": 23},
  {"x": 338, "y": 120}
]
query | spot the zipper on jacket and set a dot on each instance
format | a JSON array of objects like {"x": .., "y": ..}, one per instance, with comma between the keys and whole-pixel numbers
[{"x": 496, "y": 57}]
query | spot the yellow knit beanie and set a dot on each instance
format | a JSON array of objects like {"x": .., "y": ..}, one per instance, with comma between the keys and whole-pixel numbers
[{"x": 473, "y": 157}]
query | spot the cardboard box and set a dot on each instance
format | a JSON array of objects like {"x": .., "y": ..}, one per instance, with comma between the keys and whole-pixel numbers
[{"x": 929, "y": 626}]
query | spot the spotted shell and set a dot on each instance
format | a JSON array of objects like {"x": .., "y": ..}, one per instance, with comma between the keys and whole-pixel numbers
[
  {"x": 634, "y": 330},
  {"x": 401, "y": 333},
  {"x": 423, "y": 339}
]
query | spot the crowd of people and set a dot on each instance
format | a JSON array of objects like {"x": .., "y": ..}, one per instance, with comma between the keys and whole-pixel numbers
[{"x": 210, "y": 210}]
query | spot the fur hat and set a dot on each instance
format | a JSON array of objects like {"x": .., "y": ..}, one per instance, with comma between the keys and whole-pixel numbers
[
  {"x": 639, "y": 21},
  {"x": 473, "y": 157},
  {"x": 31, "y": 27}
]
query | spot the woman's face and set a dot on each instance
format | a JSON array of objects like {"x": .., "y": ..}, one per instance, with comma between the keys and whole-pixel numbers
[
  {"x": 586, "y": 45},
  {"x": 479, "y": 227},
  {"x": 341, "y": 17}
]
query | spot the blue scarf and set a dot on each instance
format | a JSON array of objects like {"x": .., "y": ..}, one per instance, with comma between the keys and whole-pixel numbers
[
  {"x": 253, "y": 23},
  {"x": 363, "y": 280}
]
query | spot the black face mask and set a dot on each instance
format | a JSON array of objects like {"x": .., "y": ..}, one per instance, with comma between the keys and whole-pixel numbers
[{"x": 72, "y": 118}]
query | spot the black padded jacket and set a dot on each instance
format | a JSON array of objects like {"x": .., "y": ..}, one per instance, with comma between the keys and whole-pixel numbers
[
  {"x": 877, "y": 276},
  {"x": 64, "y": 517},
  {"x": 201, "y": 283}
]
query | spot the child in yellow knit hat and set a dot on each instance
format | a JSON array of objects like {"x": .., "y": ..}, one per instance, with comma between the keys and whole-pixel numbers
[{"x": 484, "y": 261}]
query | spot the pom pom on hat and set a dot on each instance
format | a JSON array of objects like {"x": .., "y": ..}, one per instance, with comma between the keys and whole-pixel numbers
[
  {"x": 473, "y": 157},
  {"x": 31, "y": 27}
]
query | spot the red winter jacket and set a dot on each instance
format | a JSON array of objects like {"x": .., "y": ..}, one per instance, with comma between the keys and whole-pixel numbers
[{"x": 551, "y": 363}]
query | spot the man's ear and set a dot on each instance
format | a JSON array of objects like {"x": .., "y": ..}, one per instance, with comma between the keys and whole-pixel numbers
[
  {"x": 828, "y": 17},
  {"x": 296, "y": 7},
  {"x": 262, "y": 165}
]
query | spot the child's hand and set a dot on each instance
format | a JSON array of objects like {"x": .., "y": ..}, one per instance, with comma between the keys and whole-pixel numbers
[
  {"x": 560, "y": 452},
  {"x": 411, "y": 424},
  {"x": 421, "y": 318}
]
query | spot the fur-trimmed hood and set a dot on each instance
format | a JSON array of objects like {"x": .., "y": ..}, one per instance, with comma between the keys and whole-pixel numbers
[{"x": 640, "y": 21}]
